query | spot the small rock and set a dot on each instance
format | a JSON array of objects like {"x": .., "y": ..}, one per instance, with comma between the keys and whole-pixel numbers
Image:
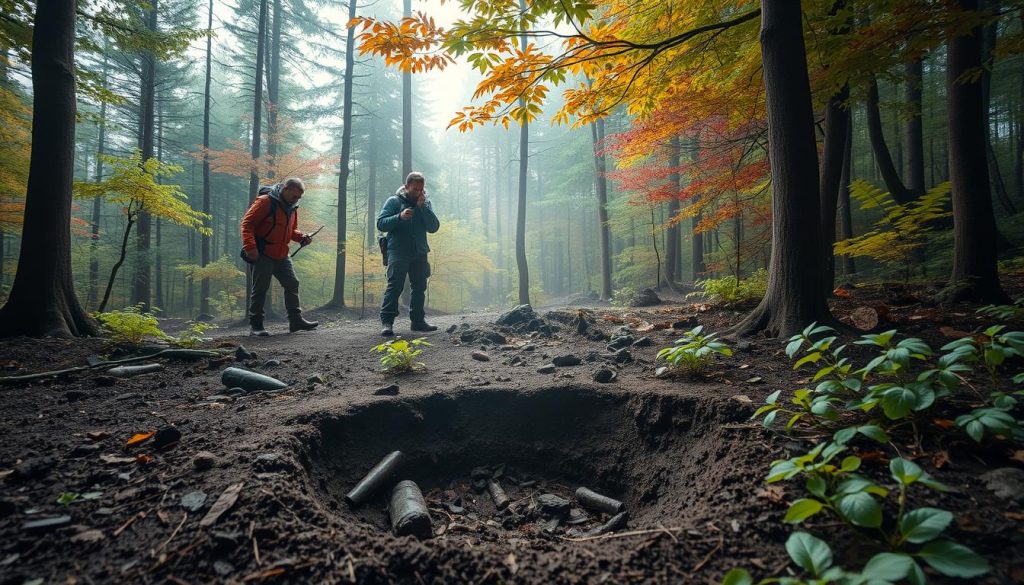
[
  {"x": 88, "y": 537},
  {"x": 389, "y": 390},
  {"x": 204, "y": 460},
  {"x": 452, "y": 507},
  {"x": 451, "y": 329},
  {"x": 193, "y": 501},
  {"x": 742, "y": 399},
  {"x": 223, "y": 568},
  {"x": 662, "y": 372},
  {"x": 75, "y": 395},
  {"x": 46, "y": 524},
  {"x": 619, "y": 342},
  {"x": 104, "y": 381},
  {"x": 643, "y": 342},
  {"x": 550, "y": 526},
  {"x": 36, "y": 468},
  {"x": 85, "y": 450},
  {"x": 551, "y": 505},
  {"x": 1006, "y": 482},
  {"x": 126, "y": 396},
  {"x": 577, "y": 516},
  {"x": 480, "y": 356},
  {"x": 754, "y": 380},
  {"x": 518, "y": 315},
  {"x": 604, "y": 375},
  {"x": 316, "y": 379},
  {"x": 166, "y": 437},
  {"x": 645, "y": 298},
  {"x": 686, "y": 323},
  {"x": 622, "y": 356},
  {"x": 547, "y": 369},
  {"x": 566, "y": 360},
  {"x": 743, "y": 345},
  {"x": 479, "y": 485},
  {"x": 271, "y": 363},
  {"x": 530, "y": 347},
  {"x": 219, "y": 398},
  {"x": 243, "y": 354}
]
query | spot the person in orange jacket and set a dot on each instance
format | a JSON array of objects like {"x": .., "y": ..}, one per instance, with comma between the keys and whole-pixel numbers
[{"x": 267, "y": 228}]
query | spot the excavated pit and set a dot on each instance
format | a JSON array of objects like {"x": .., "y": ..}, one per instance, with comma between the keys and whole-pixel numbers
[{"x": 652, "y": 452}]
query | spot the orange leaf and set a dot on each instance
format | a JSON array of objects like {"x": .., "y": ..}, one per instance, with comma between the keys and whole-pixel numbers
[
  {"x": 139, "y": 438},
  {"x": 143, "y": 459},
  {"x": 841, "y": 292},
  {"x": 944, "y": 423}
]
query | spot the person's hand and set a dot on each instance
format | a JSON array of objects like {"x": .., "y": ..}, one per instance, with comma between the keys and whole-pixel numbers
[
  {"x": 406, "y": 214},
  {"x": 252, "y": 255},
  {"x": 421, "y": 201},
  {"x": 306, "y": 240}
]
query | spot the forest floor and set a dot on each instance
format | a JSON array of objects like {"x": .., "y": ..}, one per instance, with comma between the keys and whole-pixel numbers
[{"x": 78, "y": 505}]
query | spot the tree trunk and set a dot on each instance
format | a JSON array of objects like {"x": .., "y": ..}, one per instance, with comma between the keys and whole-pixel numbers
[
  {"x": 975, "y": 274},
  {"x": 524, "y": 159},
  {"x": 204, "y": 288},
  {"x": 257, "y": 113},
  {"x": 832, "y": 158},
  {"x": 886, "y": 168},
  {"x": 338, "y": 300},
  {"x": 672, "y": 233},
  {"x": 141, "y": 290},
  {"x": 845, "y": 213},
  {"x": 794, "y": 297},
  {"x": 97, "y": 203},
  {"x": 988, "y": 41},
  {"x": 371, "y": 191},
  {"x": 42, "y": 300},
  {"x": 273, "y": 90},
  {"x": 601, "y": 188},
  {"x": 406, "y": 108},
  {"x": 914, "y": 170}
]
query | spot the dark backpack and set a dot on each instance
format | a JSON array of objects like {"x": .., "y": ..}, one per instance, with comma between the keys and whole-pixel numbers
[{"x": 261, "y": 241}]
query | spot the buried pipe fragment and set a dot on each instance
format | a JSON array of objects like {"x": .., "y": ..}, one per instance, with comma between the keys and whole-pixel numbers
[
  {"x": 408, "y": 509},
  {"x": 375, "y": 479},
  {"x": 249, "y": 381},
  {"x": 129, "y": 371},
  {"x": 592, "y": 500},
  {"x": 499, "y": 496}
]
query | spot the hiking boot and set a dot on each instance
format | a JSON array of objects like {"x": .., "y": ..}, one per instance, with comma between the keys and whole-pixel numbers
[
  {"x": 423, "y": 326},
  {"x": 256, "y": 328},
  {"x": 297, "y": 323},
  {"x": 387, "y": 329}
]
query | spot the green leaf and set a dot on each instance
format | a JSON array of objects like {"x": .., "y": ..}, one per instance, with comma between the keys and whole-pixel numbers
[
  {"x": 861, "y": 510},
  {"x": 850, "y": 463},
  {"x": 737, "y": 577},
  {"x": 888, "y": 567},
  {"x": 898, "y": 402},
  {"x": 66, "y": 498},
  {"x": 953, "y": 560},
  {"x": 905, "y": 472},
  {"x": 844, "y": 435},
  {"x": 809, "y": 552},
  {"x": 801, "y": 510},
  {"x": 816, "y": 485},
  {"x": 874, "y": 432},
  {"x": 924, "y": 524},
  {"x": 782, "y": 470},
  {"x": 809, "y": 358}
]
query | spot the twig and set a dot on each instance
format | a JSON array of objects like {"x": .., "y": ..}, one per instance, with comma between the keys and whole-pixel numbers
[
  {"x": 29, "y": 377},
  {"x": 256, "y": 551},
  {"x": 173, "y": 534},
  {"x": 718, "y": 547},
  {"x": 130, "y": 521},
  {"x": 620, "y": 534},
  {"x": 668, "y": 532}
]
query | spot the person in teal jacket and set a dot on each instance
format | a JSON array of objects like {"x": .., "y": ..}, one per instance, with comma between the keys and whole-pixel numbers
[{"x": 407, "y": 217}]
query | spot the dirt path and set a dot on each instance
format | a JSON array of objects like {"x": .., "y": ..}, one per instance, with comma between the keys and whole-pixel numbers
[{"x": 680, "y": 455}]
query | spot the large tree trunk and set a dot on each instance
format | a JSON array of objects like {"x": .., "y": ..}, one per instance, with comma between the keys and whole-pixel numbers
[
  {"x": 338, "y": 300},
  {"x": 697, "y": 266},
  {"x": 975, "y": 275},
  {"x": 141, "y": 290},
  {"x": 886, "y": 167},
  {"x": 97, "y": 202},
  {"x": 406, "y": 109},
  {"x": 524, "y": 159},
  {"x": 672, "y": 233},
  {"x": 257, "y": 113},
  {"x": 988, "y": 40},
  {"x": 42, "y": 300},
  {"x": 273, "y": 90},
  {"x": 836, "y": 128},
  {"x": 204, "y": 289},
  {"x": 601, "y": 187},
  {"x": 914, "y": 136},
  {"x": 794, "y": 297},
  {"x": 845, "y": 213},
  {"x": 371, "y": 190}
]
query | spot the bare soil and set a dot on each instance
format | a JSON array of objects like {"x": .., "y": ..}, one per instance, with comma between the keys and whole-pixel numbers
[{"x": 680, "y": 453}]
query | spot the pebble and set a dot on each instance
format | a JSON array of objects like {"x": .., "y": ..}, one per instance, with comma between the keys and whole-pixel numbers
[
  {"x": 480, "y": 356},
  {"x": 193, "y": 501},
  {"x": 643, "y": 342},
  {"x": 46, "y": 524},
  {"x": 271, "y": 363},
  {"x": 566, "y": 360},
  {"x": 166, "y": 437},
  {"x": 604, "y": 375},
  {"x": 662, "y": 372},
  {"x": 1006, "y": 482},
  {"x": 547, "y": 369},
  {"x": 204, "y": 460},
  {"x": 389, "y": 390}
]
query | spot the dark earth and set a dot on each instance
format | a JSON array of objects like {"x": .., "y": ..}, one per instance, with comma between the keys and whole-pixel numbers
[{"x": 249, "y": 487}]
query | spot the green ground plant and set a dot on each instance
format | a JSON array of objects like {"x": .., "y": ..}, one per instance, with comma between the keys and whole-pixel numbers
[
  {"x": 694, "y": 351},
  {"x": 193, "y": 335},
  {"x": 729, "y": 292},
  {"x": 130, "y": 325},
  {"x": 895, "y": 398},
  {"x": 399, "y": 355}
]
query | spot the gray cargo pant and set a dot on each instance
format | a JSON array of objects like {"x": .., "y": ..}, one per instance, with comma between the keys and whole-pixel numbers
[{"x": 262, "y": 270}]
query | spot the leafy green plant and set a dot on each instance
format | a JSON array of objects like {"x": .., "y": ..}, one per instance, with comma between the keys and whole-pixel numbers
[
  {"x": 130, "y": 325},
  {"x": 694, "y": 351},
  {"x": 1004, "y": 312},
  {"x": 400, "y": 355},
  {"x": 623, "y": 296},
  {"x": 728, "y": 291},
  {"x": 192, "y": 336}
]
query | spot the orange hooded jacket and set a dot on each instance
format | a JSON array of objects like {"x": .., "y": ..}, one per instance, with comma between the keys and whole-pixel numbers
[{"x": 257, "y": 221}]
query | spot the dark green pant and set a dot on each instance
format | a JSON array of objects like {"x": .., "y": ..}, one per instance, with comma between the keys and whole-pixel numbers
[
  {"x": 282, "y": 270},
  {"x": 418, "y": 270}
]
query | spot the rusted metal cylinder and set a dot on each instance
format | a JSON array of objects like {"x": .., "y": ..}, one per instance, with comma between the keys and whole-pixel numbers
[
  {"x": 408, "y": 510},
  {"x": 381, "y": 474},
  {"x": 498, "y": 495},
  {"x": 599, "y": 503},
  {"x": 249, "y": 381}
]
